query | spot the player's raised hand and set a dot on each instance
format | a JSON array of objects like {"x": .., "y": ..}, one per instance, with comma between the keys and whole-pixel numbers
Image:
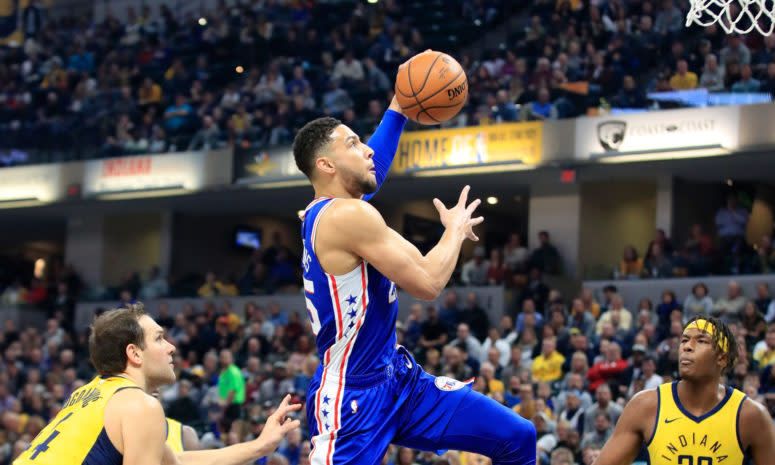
[
  {"x": 394, "y": 103},
  {"x": 277, "y": 426},
  {"x": 459, "y": 216}
]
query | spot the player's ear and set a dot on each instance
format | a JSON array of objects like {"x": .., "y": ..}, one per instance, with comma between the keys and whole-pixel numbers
[
  {"x": 722, "y": 360},
  {"x": 325, "y": 164},
  {"x": 133, "y": 354}
]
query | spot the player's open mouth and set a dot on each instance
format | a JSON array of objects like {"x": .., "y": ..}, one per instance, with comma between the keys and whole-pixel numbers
[{"x": 686, "y": 362}]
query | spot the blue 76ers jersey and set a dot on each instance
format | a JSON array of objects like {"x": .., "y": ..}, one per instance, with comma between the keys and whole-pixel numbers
[{"x": 353, "y": 315}]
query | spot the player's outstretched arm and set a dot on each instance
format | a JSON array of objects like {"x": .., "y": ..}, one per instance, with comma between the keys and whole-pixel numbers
[
  {"x": 384, "y": 142},
  {"x": 275, "y": 429},
  {"x": 358, "y": 228},
  {"x": 629, "y": 434},
  {"x": 757, "y": 432}
]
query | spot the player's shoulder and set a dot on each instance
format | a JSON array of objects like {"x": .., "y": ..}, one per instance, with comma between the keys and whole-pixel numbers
[
  {"x": 640, "y": 413},
  {"x": 137, "y": 401},
  {"x": 353, "y": 212},
  {"x": 752, "y": 411},
  {"x": 643, "y": 405},
  {"x": 645, "y": 398},
  {"x": 754, "y": 423}
]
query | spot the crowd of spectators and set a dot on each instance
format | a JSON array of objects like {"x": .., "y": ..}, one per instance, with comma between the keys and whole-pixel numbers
[
  {"x": 701, "y": 255},
  {"x": 567, "y": 364},
  {"x": 252, "y": 73},
  {"x": 245, "y": 73}
]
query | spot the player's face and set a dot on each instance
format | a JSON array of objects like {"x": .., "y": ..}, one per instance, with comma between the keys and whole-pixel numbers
[
  {"x": 353, "y": 161},
  {"x": 698, "y": 356},
  {"x": 157, "y": 355}
]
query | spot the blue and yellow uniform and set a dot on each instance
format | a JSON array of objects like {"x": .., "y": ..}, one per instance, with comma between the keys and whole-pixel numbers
[
  {"x": 681, "y": 438},
  {"x": 175, "y": 435},
  {"x": 77, "y": 434}
]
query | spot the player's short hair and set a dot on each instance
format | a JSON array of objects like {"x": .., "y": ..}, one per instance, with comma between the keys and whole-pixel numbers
[
  {"x": 722, "y": 336},
  {"x": 111, "y": 333},
  {"x": 310, "y": 139}
]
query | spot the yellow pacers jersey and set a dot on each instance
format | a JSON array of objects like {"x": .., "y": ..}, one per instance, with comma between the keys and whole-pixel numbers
[
  {"x": 77, "y": 434},
  {"x": 681, "y": 438},
  {"x": 175, "y": 435}
]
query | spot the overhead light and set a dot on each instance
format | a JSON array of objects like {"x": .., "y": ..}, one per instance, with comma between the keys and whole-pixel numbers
[
  {"x": 492, "y": 168},
  {"x": 300, "y": 213},
  {"x": 372, "y": 1},
  {"x": 729, "y": 182},
  {"x": 492, "y": 200},
  {"x": 694, "y": 152},
  {"x": 39, "y": 268},
  {"x": 203, "y": 21},
  {"x": 142, "y": 194},
  {"x": 239, "y": 69}
]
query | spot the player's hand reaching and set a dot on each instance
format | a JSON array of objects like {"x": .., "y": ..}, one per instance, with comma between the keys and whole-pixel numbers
[
  {"x": 277, "y": 426},
  {"x": 459, "y": 216},
  {"x": 394, "y": 103}
]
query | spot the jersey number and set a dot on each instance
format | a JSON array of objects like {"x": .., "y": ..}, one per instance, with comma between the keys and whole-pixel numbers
[
  {"x": 309, "y": 288},
  {"x": 392, "y": 294},
  {"x": 43, "y": 446},
  {"x": 689, "y": 460}
]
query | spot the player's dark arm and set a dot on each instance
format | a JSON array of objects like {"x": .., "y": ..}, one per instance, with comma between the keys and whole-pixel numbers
[
  {"x": 630, "y": 432},
  {"x": 757, "y": 432},
  {"x": 190, "y": 438},
  {"x": 384, "y": 142}
]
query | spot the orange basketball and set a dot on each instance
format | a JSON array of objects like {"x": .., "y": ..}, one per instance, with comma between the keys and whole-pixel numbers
[{"x": 431, "y": 88}]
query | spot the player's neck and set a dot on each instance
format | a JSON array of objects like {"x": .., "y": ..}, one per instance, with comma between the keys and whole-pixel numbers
[
  {"x": 137, "y": 378},
  {"x": 700, "y": 395},
  {"x": 336, "y": 190}
]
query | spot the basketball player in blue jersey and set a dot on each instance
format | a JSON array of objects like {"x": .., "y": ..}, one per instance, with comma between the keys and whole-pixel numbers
[
  {"x": 114, "y": 420},
  {"x": 367, "y": 392},
  {"x": 696, "y": 420}
]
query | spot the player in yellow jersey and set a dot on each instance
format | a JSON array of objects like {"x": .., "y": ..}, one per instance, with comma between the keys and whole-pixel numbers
[
  {"x": 697, "y": 420},
  {"x": 114, "y": 420},
  {"x": 181, "y": 437}
]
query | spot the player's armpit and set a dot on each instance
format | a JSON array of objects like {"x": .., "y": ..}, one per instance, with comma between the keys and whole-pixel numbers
[
  {"x": 757, "y": 432},
  {"x": 143, "y": 428},
  {"x": 630, "y": 432},
  {"x": 359, "y": 228}
]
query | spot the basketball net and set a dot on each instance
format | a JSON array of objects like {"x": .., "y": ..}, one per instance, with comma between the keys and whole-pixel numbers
[{"x": 734, "y": 16}]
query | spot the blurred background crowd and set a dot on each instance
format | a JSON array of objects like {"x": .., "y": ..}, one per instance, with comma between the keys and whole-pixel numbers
[
  {"x": 567, "y": 363},
  {"x": 251, "y": 73}
]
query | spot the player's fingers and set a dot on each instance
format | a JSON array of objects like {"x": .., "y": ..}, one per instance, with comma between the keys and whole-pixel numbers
[
  {"x": 284, "y": 403},
  {"x": 475, "y": 221},
  {"x": 291, "y": 425},
  {"x": 286, "y": 409},
  {"x": 464, "y": 196},
  {"x": 439, "y": 206},
  {"x": 470, "y": 209}
]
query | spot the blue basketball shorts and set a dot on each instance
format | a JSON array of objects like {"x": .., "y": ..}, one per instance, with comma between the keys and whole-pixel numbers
[{"x": 353, "y": 421}]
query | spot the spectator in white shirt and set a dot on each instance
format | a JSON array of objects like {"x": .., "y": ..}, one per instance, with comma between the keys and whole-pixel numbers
[
  {"x": 731, "y": 306},
  {"x": 474, "y": 272},
  {"x": 698, "y": 302},
  {"x": 515, "y": 254},
  {"x": 473, "y": 346},
  {"x": 348, "y": 68}
]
